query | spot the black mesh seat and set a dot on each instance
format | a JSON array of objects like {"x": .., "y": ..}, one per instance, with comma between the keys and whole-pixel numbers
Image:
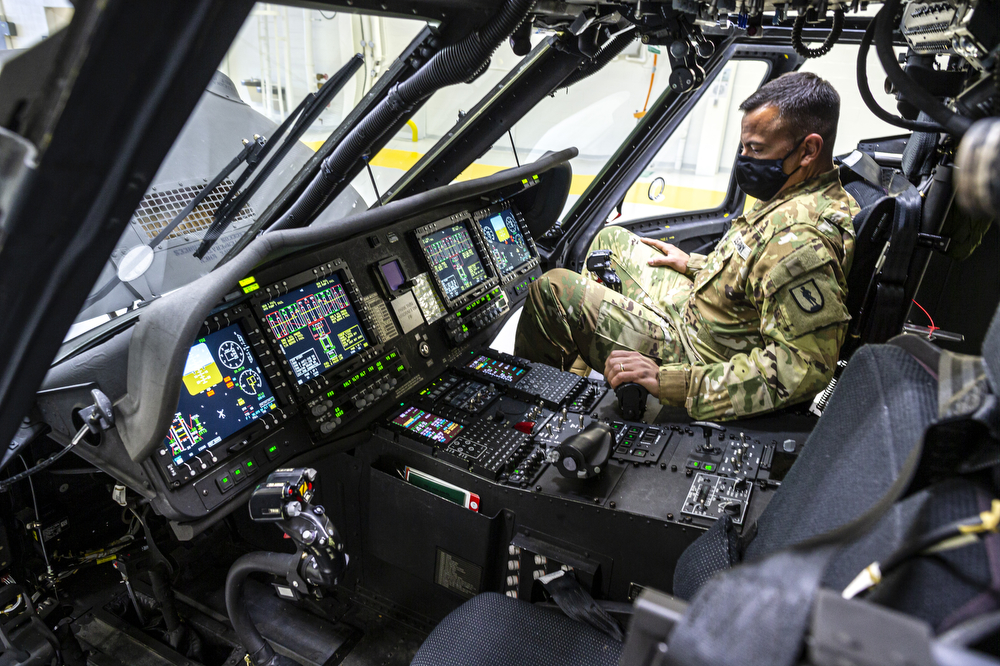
[{"x": 494, "y": 630}]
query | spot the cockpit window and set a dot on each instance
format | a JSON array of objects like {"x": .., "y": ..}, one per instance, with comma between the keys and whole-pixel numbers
[
  {"x": 692, "y": 170},
  {"x": 280, "y": 55}
]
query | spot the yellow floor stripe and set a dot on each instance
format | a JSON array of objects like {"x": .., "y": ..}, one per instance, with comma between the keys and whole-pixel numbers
[{"x": 674, "y": 196}]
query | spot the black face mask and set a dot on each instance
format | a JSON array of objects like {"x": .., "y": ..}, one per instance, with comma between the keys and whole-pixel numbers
[{"x": 762, "y": 179}]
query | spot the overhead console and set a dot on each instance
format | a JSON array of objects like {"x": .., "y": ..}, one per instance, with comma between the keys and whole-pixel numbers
[{"x": 316, "y": 346}]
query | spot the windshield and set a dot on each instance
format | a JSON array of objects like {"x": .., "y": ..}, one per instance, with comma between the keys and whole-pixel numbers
[{"x": 280, "y": 56}]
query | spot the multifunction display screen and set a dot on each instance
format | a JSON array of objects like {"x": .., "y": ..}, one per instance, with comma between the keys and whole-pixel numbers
[
  {"x": 454, "y": 259},
  {"x": 505, "y": 240},
  {"x": 506, "y": 372},
  {"x": 224, "y": 391},
  {"x": 427, "y": 425},
  {"x": 316, "y": 327}
]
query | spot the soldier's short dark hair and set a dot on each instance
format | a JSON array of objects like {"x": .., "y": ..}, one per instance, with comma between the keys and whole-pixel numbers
[{"x": 806, "y": 105}]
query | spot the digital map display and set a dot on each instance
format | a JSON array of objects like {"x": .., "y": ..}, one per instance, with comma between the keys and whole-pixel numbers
[
  {"x": 224, "y": 391},
  {"x": 504, "y": 238},
  {"x": 316, "y": 326},
  {"x": 428, "y": 425},
  {"x": 454, "y": 259}
]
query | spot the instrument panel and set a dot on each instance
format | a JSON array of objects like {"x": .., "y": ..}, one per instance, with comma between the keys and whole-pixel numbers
[{"x": 319, "y": 344}]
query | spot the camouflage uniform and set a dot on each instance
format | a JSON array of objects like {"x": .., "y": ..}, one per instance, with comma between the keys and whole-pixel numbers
[{"x": 754, "y": 326}]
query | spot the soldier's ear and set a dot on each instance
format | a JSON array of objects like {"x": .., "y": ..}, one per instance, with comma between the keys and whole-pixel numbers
[{"x": 812, "y": 148}]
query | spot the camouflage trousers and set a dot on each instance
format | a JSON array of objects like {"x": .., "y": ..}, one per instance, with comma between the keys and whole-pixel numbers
[{"x": 567, "y": 314}]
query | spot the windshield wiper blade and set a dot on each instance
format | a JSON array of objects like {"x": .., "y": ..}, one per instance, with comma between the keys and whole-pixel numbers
[
  {"x": 256, "y": 160},
  {"x": 310, "y": 107},
  {"x": 250, "y": 148}
]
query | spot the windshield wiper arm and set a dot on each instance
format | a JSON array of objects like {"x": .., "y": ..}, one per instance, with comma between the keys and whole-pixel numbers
[{"x": 308, "y": 110}]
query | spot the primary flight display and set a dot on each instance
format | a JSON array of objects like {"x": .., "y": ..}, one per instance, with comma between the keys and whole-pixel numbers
[{"x": 224, "y": 390}]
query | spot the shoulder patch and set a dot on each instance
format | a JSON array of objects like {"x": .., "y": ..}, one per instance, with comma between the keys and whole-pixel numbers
[{"x": 808, "y": 296}]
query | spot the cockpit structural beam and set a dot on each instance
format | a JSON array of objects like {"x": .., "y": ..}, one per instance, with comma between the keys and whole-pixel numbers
[{"x": 126, "y": 79}]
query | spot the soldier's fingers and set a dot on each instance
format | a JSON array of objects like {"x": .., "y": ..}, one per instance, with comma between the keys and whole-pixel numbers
[
  {"x": 662, "y": 261},
  {"x": 658, "y": 244},
  {"x": 611, "y": 368},
  {"x": 616, "y": 363}
]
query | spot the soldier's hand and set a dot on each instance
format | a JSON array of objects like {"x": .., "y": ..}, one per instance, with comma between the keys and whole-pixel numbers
[
  {"x": 673, "y": 257},
  {"x": 629, "y": 366}
]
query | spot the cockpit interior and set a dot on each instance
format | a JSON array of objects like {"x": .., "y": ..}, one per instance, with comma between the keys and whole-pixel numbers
[{"x": 261, "y": 267}]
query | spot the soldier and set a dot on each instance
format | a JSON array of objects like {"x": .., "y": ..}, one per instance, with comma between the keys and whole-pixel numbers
[{"x": 754, "y": 326}]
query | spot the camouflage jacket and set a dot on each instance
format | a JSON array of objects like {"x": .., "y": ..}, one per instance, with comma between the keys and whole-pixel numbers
[{"x": 767, "y": 316}]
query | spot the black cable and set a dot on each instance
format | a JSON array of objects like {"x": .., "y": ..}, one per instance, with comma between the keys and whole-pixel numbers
[
  {"x": 959, "y": 533},
  {"x": 828, "y": 43},
  {"x": 378, "y": 197},
  {"x": 869, "y": 99},
  {"x": 150, "y": 542},
  {"x": 514, "y": 148},
  {"x": 328, "y": 18},
  {"x": 7, "y": 483},
  {"x": 910, "y": 90},
  {"x": 38, "y": 521}
]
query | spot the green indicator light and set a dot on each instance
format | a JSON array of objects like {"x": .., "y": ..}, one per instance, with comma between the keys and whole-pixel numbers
[
  {"x": 249, "y": 463},
  {"x": 273, "y": 449},
  {"x": 708, "y": 467},
  {"x": 696, "y": 465},
  {"x": 237, "y": 472},
  {"x": 225, "y": 479},
  {"x": 338, "y": 412},
  {"x": 401, "y": 368}
]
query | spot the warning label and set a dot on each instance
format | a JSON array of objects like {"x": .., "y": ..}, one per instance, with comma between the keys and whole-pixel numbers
[{"x": 460, "y": 576}]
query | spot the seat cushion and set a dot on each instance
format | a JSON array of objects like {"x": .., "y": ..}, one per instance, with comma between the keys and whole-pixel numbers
[{"x": 494, "y": 630}]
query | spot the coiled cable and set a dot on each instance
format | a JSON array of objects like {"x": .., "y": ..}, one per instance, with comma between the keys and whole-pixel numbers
[
  {"x": 828, "y": 43},
  {"x": 869, "y": 99},
  {"x": 913, "y": 92}
]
